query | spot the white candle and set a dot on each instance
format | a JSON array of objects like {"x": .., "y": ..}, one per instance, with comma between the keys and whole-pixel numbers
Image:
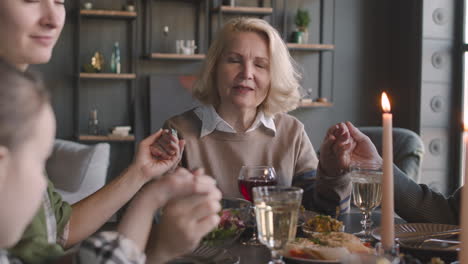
[
  {"x": 463, "y": 254},
  {"x": 388, "y": 232}
]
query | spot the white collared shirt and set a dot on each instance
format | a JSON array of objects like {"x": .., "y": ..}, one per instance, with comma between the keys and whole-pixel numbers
[{"x": 211, "y": 121}]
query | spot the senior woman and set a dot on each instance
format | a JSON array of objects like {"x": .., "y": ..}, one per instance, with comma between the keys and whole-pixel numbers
[
  {"x": 247, "y": 84},
  {"x": 28, "y": 33}
]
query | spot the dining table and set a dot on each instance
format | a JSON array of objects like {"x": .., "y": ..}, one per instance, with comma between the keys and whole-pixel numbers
[{"x": 261, "y": 254}]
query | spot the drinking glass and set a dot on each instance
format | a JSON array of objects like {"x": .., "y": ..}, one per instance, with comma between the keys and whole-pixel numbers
[
  {"x": 276, "y": 210},
  {"x": 367, "y": 193},
  {"x": 252, "y": 176}
]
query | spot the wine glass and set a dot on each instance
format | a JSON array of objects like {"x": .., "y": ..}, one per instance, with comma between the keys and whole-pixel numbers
[
  {"x": 366, "y": 178},
  {"x": 252, "y": 176},
  {"x": 277, "y": 210}
]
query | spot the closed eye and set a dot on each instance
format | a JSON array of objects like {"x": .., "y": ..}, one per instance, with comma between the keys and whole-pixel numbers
[
  {"x": 261, "y": 63},
  {"x": 233, "y": 60}
]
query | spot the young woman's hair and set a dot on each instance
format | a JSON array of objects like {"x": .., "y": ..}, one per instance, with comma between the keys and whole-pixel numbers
[
  {"x": 284, "y": 93},
  {"x": 22, "y": 96}
]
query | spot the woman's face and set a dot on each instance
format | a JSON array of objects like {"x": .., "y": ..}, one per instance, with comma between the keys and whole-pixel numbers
[
  {"x": 29, "y": 29},
  {"x": 23, "y": 182},
  {"x": 243, "y": 71}
]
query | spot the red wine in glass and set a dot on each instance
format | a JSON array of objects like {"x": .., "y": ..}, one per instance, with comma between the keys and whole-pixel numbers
[
  {"x": 250, "y": 177},
  {"x": 246, "y": 185}
]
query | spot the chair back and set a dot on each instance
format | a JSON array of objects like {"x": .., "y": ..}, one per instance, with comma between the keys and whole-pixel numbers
[
  {"x": 78, "y": 170},
  {"x": 408, "y": 149}
]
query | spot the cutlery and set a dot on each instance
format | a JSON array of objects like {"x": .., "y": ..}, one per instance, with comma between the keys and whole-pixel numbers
[
  {"x": 439, "y": 243},
  {"x": 410, "y": 237},
  {"x": 456, "y": 242}
]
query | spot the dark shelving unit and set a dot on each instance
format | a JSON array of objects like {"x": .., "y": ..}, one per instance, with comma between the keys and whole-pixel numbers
[
  {"x": 217, "y": 8},
  {"x": 313, "y": 47},
  {"x": 93, "y": 79},
  {"x": 201, "y": 5}
]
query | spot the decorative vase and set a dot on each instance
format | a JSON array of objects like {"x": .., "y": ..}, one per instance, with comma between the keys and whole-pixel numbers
[
  {"x": 129, "y": 8},
  {"x": 115, "y": 65},
  {"x": 296, "y": 37},
  {"x": 229, "y": 2},
  {"x": 88, "y": 5},
  {"x": 304, "y": 37}
]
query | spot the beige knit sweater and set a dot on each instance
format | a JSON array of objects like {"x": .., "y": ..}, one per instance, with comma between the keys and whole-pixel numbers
[{"x": 222, "y": 154}]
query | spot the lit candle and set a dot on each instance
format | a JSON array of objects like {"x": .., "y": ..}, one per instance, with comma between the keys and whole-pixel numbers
[
  {"x": 388, "y": 233},
  {"x": 463, "y": 254}
]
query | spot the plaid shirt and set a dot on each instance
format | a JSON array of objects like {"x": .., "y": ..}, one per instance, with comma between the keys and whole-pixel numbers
[{"x": 105, "y": 247}]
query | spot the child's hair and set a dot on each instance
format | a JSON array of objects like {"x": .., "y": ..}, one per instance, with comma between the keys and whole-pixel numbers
[{"x": 22, "y": 96}]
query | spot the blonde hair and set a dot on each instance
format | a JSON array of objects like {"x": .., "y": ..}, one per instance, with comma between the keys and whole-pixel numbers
[{"x": 283, "y": 95}]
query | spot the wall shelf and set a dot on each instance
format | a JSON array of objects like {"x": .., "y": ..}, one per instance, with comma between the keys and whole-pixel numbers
[
  {"x": 247, "y": 10},
  {"x": 176, "y": 56},
  {"x": 129, "y": 138},
  {"x": 315, "y": 104},
  {"x": 114, "y": 76},
  {"x": 108, "y": 14},
  {"x": 310, "y": 47},
  {"x": 181, "y": 26}
]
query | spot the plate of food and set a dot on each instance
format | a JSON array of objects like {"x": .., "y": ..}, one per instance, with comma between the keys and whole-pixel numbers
[
  {"x": 425, "y": 236},
  {"x": 325, "y": 247},
  {"x": 322, "y": 223},
  {"x": 234, "y": 216},
  {"x": 325, "y": 243}
]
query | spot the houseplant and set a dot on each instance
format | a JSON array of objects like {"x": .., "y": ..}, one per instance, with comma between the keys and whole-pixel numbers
[{"x": 302, "y": 21}]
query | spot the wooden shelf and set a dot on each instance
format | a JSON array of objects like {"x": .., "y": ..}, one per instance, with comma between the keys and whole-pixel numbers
[
  {"x": 244, "y": 10},
  {"x": 108, "y": 13},
  {"x": 315, "y": 104},
  {"x": 176, "y": 56},
  {"x": 115, "y": 76},
  {"x": 310, "y": 47},
  {"x": 128, "y": 138}
]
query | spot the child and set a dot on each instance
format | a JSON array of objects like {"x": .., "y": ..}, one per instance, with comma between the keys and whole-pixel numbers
[{"x": 27, "y": 132}]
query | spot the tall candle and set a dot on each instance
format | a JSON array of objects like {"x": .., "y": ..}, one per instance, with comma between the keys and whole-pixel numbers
[
  {"x": 463, "y": 254},
  {"x": 388, "y": 232}
]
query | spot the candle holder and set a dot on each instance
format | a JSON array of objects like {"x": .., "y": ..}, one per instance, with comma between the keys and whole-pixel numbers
[{"x": 392, "y": 254}]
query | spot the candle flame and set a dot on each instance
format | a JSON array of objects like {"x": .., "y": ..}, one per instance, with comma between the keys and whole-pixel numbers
[
  {"x": 385, "y": 103},
  {"x": 465, "y": 124}
]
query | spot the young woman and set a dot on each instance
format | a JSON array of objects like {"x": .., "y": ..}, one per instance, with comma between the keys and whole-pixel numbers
[{"x": 29, "y": 30}]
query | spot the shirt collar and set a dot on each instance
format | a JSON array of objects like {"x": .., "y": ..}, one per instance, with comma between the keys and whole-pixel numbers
[{"x": 211, "y": 121}]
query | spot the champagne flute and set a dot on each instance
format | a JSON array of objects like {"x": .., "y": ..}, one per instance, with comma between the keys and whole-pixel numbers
[
  {"x": 366, "y": 178},
  {"x": 252, "y": 176},
  {"x": 277, "y": 210}
]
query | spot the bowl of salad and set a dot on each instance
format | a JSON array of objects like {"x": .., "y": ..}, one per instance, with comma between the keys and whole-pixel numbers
[{"x": 235, "y": 215}]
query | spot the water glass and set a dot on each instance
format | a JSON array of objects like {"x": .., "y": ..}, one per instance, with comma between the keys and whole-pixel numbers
[{"x": 276, "y": 211}]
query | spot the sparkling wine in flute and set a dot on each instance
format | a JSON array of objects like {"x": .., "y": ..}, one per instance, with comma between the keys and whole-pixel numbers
[
  {"x": 246, "y": 185},
  {"x": 276, "y": 222},
  {"x": 367, "y": 193}
]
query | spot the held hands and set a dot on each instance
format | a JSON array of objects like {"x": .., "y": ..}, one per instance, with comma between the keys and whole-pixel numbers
[
  {"x": 188, "y": 216},
  {"x": 192, "y": 203},
  {"x": 343, "y": 145},
  {"x": 148, "y": 160},
  {"x": 168, "y": 146}
]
